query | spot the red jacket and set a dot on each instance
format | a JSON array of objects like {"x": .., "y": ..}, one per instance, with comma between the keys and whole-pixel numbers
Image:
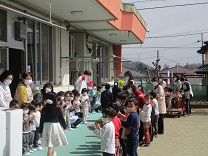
[
  {"x": 117, "y": 124},
  {"x": 141, "y": 97}
]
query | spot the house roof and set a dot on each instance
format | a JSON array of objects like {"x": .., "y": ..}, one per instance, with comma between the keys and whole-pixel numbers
[
  {"x": 192, "y": 72},
  {"x": 202, "y": 69},
  {"x": 134, "y": 73},
  {"x": 176, "y": 69}
]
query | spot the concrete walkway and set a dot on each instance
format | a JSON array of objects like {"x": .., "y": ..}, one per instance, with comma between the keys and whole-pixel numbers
[{"x": 82, "y": 142}]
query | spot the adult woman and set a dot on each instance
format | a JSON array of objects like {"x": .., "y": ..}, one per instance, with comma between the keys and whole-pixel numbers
[
  {"x": 23, "y": 92},
  {"x": 129, "y": 77},
  {"x": 50, "y": 129},
  {"x": 188, "y": 94},
  {"x": 47, "y": 88},
  {"x": 5, "y": 94},
  {"x": 82, "y": 81},
  {"x": 161, "y": 104}
]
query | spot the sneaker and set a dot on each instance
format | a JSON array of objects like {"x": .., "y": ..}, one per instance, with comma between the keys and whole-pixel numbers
[
  {"x": 93, "y": 112},
  {"x": 39, "y": 148},
  {"x": 31, "y": 151},
  {"x": 39, "y": 142},
  {"x": 146, "y": 145},
  {"x": 71, "y": 129},
  {"x": 54, "y": 153},
  {"x": 78, "y": 126},
  {"x": 27, "y": 153}
]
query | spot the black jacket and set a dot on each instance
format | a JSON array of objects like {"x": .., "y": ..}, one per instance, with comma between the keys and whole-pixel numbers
[{"x": 106, "y": 99}]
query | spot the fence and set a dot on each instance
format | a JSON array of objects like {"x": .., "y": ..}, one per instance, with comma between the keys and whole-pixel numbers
[{"x": 199, "y": 86}]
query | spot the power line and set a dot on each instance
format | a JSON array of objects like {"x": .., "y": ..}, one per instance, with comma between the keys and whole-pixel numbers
[
  {"x": 162, "y": 47},
  {"x": 173, "y": 6},
  {"x": 179, "y": 35},
  {"x": 148, "y": 1}
]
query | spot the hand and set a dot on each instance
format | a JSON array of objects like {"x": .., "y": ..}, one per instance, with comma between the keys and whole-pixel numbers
[
  {"x": 91, "y": 127},
  {"x": 99, "y": 124}
]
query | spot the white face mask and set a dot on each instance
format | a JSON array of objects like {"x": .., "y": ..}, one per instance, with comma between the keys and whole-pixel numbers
[
  {"x": 28, "y": 82},
  {"x": 129, "y": 110},
  {"x": 25, "y": 112},
  {"x": 7, "y": 82},
  {"x": 47, "y": 90},
  {"x": 129, "y": 91},
  {"x": 62, "y": 98},
  {"x": 89, "y": 88},
  {"x": 105, "y": 120},
  {"x": 154, "y": 83},
  {"x": 37, "y": 109},
  {"x": 85, "y": 93},
  {"x": 94, "y": 88},
  {"x": 71, "y": 98},
  {"x": 78, "y": 98},
  {"x": 118, "y": 102}
]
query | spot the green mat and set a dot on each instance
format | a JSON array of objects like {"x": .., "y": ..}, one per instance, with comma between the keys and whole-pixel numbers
[{"x": 81, "y": 142}]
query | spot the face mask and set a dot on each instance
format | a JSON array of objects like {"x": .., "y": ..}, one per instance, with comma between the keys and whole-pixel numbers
[
  {"x": 116, "y": 84},
  {"x": 94, "y": 88},
  {"x": 154, "y": 83},
  {"x": 37, "y": 109},
  {"x": 28, "y": 82},
  {"x": 47, "y": 90},
  {"x": 129, "y": 91},
  {"x": 105, "y": 120},
  {"x": 85, "y": 93},
  {"x": 147, "y": 101},
  {"x": 175, "y": 78},
  {"x": 71, "y": 98},
  {"x": 7, "y": 82},
  {"x": 61, "y": 98},
  {"x": 129, "y": 110},
  {"x": 118, "y": 102},
  {"x": 77, "y": 98},
  {"x": 89, "y": 88},
  {"x": 25, "y": 112}
]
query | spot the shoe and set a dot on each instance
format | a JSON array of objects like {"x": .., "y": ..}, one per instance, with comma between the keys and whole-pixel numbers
[
  {"x": 39, "y": 142},
  {"x": 147, "y": 145},
  {"x": 27, "y": 153},
  {"x": 39, "y": 148},
  {"x": 93, "y": 112},
  {"x": 31, "y": 151},
  {"x": 85, "y": 122},
  {"x": 54, "y": 153},
  {"x": 71, "y": 129},
  {"x": 78, "y": 126},
  {"x": 156, "y": 136}
]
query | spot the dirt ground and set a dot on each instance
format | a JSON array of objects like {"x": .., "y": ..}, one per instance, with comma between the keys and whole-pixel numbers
[{"x": 185, "y": 136}]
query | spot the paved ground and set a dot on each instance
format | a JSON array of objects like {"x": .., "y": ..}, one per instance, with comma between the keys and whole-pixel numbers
[{"x": 187, "y": 136}]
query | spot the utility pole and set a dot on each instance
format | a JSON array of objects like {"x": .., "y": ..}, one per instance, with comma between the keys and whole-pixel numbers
[
  {"x": 157, "y": 65},
  {"x": 202, "y": 40}
]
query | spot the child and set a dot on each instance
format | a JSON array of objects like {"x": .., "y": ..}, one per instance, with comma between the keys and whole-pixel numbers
[
  {"x": 77, "y": 104},
  {"x": 117, "y": 124},
  {"x": 85, "y": 104},
  {"x": 106, "y": 131},
  {"x": 146, "y": 120},
  {"x": 26, "y": 130},
  {"x": 50, "y": 129},
  {"x": 168, "y": 97},
  {"x": 132, "y": 126},
  {"x": 156, "y": 116},
  {"x": 32, "y": 108},
  {"x": 14, "y": 104},
  {"x": 37, "y": 115},
  {"x": 176, "y": 98},
  {"x": 97, "y": 99}
]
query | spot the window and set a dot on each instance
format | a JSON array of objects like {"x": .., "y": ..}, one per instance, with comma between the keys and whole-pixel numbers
[
  {"x": 45, "y": 53},
  {"x": 3, "y": 60},
  {"x": 3, "y": 25}
]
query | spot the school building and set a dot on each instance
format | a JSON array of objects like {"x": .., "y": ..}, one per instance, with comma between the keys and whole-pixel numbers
[{"x": 56, "y": 40}]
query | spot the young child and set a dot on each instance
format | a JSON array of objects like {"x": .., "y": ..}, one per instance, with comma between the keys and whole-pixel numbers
[
  {"x": 176, "y": 98},
  {"x": 146, "y": 120},
  {"x": 37, "y": 115},
  {"x": 97, "y": 99},
  {"x": 106, "y": 131},
  {"x": 14, "y": 104},
  {"x": 26, "y": 130},
  {"x": 50, "y": 129},
  {"x": 156, "y": 116},
  {"x": 32, "y": 108},
  {"x": 77, "y": 104},
  {"x": 85, "y": 104},
  {"x": 168, "y": 97},
  {"x": 132, "y": 127},
  {"x": 117, "y": 124}
]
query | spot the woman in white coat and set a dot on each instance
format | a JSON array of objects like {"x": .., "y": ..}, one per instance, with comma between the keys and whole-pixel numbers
[{"x": 5, "y": 94}]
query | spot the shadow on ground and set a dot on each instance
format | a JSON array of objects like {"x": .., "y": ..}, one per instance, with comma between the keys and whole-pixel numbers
[
  {"x": 203, "y": 112},
  {"x": 88, "y": 148}
]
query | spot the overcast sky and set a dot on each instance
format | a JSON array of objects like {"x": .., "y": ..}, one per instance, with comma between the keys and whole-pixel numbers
[{"x": 168, "y": 21}]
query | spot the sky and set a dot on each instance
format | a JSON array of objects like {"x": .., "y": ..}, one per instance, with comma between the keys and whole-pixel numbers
[{"x": 167, "y": 21}]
